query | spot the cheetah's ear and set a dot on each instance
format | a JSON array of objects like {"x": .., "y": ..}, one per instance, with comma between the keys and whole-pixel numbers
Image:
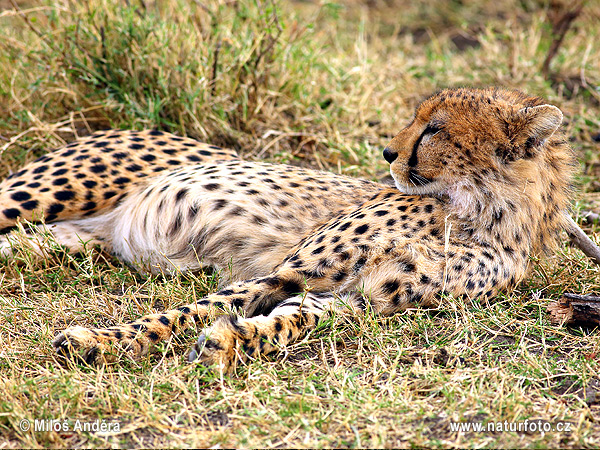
[
  {"x": 539, "y": 122},
  {"x": 528, "y": 129}
]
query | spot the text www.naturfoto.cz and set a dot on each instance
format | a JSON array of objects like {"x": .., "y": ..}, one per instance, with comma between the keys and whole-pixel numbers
[{"x": 527, "y": 426}]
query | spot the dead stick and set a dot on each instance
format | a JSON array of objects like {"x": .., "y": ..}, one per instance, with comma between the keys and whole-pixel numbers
[
  {"x": 582, "y": 298},
  {"x": 582, "y": 240},
  {"x": 575, "y": 309}
]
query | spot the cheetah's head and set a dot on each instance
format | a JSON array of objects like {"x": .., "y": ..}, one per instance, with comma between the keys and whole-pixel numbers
[{"x": 462, "y": 139}]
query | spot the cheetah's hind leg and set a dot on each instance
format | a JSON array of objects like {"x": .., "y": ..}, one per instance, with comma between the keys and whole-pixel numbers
[{"x": 41, "y": 239}]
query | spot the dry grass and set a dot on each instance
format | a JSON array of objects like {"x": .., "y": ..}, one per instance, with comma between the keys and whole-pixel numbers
[{"x": 315, "y": 85}]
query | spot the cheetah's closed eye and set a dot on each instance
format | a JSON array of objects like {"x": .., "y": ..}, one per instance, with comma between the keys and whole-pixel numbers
[{"x": 482, "y": 183}]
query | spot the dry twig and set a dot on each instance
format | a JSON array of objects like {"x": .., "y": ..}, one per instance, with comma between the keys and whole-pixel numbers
[
  {"x": 575, "y": 309},
  {"x": 582, "y": 240}
]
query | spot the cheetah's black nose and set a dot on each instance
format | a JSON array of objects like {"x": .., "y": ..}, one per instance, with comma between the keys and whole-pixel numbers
[{"x": 389, "y": 155}]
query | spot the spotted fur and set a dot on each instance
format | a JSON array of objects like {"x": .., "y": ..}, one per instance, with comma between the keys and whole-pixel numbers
[
  {"x": 482, "y": 183},
  {"x": 95, "y": 173}
]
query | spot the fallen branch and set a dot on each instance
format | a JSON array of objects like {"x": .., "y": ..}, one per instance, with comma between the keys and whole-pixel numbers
[
  {"x": 582, "y": 240},
  {"x": 575, "y": 309}
]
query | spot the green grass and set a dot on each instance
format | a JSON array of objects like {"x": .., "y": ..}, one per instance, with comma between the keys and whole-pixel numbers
[{"x": 317, "y": 85}]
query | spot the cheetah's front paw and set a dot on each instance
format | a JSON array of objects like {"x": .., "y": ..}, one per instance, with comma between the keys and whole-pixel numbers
[
  {"x": 97, "y": 347},
  {"x": 221, "y": 346}
]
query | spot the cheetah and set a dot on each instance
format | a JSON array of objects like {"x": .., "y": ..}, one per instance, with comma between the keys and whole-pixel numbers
[{"x": 482, "y": 183}]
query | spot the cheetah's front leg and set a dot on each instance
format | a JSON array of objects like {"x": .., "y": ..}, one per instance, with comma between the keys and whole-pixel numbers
[
  {"x": 96, "y": 346},
  {"x": 232, "y": 340}
]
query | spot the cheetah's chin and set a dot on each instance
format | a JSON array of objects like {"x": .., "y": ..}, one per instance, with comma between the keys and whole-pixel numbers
[{"x": 433, "y": 188}]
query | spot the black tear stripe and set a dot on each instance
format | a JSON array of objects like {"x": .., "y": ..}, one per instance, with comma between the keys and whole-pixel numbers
[{"x": 413, "y": 160}]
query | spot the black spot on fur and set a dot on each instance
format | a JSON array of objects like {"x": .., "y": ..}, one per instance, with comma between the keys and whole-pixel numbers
[
  {"x": 359, "y": 264},
  {"x": 219, "y": 204},
  {"x": 271, "y": 281},
  {"x": 122, "y": 180},
  {"x": 139, "y": 327},
  {"x": 55, "y": 208},
  {"x": 339, "y": 276},
  {"x": 40, "y": 169},
  {"x": 148, "y": 157},
  {"x": 29, "y": 205},
  {"x": 390, "y": 287},
  {"x": 11, "y": 213},
  {"x": 134, "y": 168},
  {"x": 291, "y": 287},
  {"x": 182, "y": 193},
  {"x": 98, "y": 168},
  {"x": 278, "y": 326},
  {"x": 361, "y": 229},
  {"x": 165, "y": 321},
  {"x": 407, "y": 266},
  {"x": 344, "y": 226},
  {"x": 487, "y": 254},
  {"x": 64, "y": 196},
  {"x": 20, "y": 196}
]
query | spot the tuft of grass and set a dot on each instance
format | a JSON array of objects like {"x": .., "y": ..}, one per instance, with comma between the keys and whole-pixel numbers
[{"x": 325, "y": 85}]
